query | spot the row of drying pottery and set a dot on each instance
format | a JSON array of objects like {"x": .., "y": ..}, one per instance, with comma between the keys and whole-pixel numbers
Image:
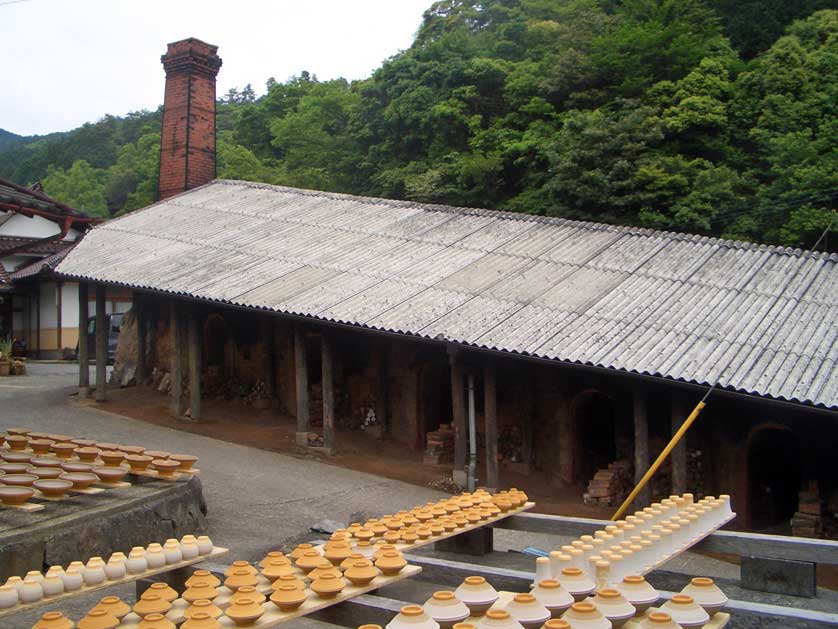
[
  {"x": 35, "y": 586},
  {"x": 435, "y": 518},
  {"x": 294, "y": 579},
  {"x": 640, "y": 541},
  {"x": 552, "y": 606}
]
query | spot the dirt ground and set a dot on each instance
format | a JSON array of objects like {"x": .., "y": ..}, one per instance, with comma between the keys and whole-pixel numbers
[{"x": 269, "y": 430}]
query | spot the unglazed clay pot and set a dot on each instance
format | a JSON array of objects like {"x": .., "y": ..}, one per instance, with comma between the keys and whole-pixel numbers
[
  {"x": 73, "y": 579},
  {"x": 30, "y": 591},
  {"x": 108, "y": 447},
  {"x": 164, "y": 467},
  {"x": 46, "y": 473},
  {"x": 94, "y": 574},
  {"x": 557, "y": 623},
  {"x": 614, "y": 606},
  {"x": 8, "y": 596},
  {"x": 390, "y": 563},
  {"x": 52, "y": 586},
  {"x": 87, "y": 454},
  {"x": 412, "y": 617},
  {"x": 18, "y": 431},
  {"x": 76, "y": 466},
  {"x": 586, "y": 616},
  {"x": 288, "y": 597},
  {"x": 45, "y": 461},
  {"x": 361, "y": 572},
  {"x": 204, "y": 545},
  {"x": 309, "y": 560},
  {"x": 138, "y": 462},
  {"x": 276, "y": 567},
  {"x": 658, "y": 620},
  {"x": 52, "y": 488},
  {"x": 201, "y": 620},
  {"x": 184, "y": 461},
  {"x": 163, "y": 590},
  {"x": 131, "y": 449},
  {"x": 80, "y": 480},
  {"x": 14, "y": 582},
  {"x": 323, "y": 569},
  {"x": 328, "y": 586},
  {"x": 98, "y": 619},
  {"x": 112, "y": 458},
  {"x": 288, "y": 580},
  {"x": 155, "y": 621},
  {"x": 338, "y": 552},
  {"x": 171, "y": 550},
  {"x": 114, "y": 606},
  {"x": 248, "y": 591},
  {"x": 477, "y": 594},
  {"x": 638, "y": 592},
  {"x": 19, "y": 480},
  {"x": 189, "y": 547},
  {"x": 15, "y": 468},
  {"x": 63, "y": 450},
  {"x": 707, "y": 594},
  {"x": 240, "y": 564},
  {"x": 17, "y": 442},
  {"x": 300, "y": 550},
  {"x": 576, "y": 582},
  {"x": 240, "y": 577},
  {"x": 109, "y": 475},
  {"x": 151, "y": 604},
  {"x": 204, "y": 576},
  {"x": 446, "y": 609},
  {"x": 15, "y": 495},
  {"x": 685, "y": 611},
  {"x": 553, "y": 596},
  {"x": 154, "y": 556},
  {"x": 157, "y": 454},
  {"x": 244, "y": 611},
  {"x": 526, "y": 609},
  {"x": 54, "y": 620},
  {"x": 498, "y": 619},
  {"x": 202, "y": 607},
  {"x": 115, "y": 568}
]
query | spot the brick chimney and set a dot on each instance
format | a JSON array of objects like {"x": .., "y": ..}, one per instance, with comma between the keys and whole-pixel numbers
[{"x": 187, "y": 147}]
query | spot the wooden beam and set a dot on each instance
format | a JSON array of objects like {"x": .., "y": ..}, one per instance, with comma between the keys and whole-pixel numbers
[
  {"x": 59, "y": 290},
  {"x": 458, "y": 410},
  {"x": 194, "y": 344},
  {"x": 177, "y": 332},
  {"x": 641, "y": 445},
  {"x": 101, "y": 345},
  {"x": 327, "y": 383},
  {"x": 84, "y": 358},
  {"x": 490, "y": 409},
  {"x": 301, "y": 378},
  {"x": 142, "y": 360},
  {"x": 678, "y": 413}
]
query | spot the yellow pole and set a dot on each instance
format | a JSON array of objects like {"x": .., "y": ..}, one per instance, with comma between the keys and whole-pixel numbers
[{"x": 661, "y": 458}]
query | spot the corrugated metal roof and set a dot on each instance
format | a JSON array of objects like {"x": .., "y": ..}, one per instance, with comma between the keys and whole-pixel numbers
[{"x": 752, "y": 318}]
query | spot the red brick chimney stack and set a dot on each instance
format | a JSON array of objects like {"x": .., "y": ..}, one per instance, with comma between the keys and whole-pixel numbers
[{"x": 187, "y": 147}]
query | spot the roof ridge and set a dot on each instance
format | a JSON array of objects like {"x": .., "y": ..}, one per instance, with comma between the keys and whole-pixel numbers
[{"x": 550, "y": 220}]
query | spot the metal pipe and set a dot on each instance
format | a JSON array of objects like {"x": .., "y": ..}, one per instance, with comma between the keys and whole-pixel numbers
[{"x": 472, "y": 435}]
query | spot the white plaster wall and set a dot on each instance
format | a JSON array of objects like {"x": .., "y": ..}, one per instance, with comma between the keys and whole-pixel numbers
[
  {"x": 33, "y": 227},
  {"x": 49, "y": 318},
  {"x": 70, "y": 305}
]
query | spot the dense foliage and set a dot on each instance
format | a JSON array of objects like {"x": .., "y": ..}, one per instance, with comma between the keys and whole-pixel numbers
[{"x": 707, "y": 116}]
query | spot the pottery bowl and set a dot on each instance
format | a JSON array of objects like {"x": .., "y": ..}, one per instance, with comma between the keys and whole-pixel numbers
[
  {"x": 19, "y": 480},
  {"x": 164, "y": 467},
  {"x": 18, "y": 431},
  {"x": 83, "y": 443},
  {"x": 185, "y": 461},
  {"x": 15, "y": 457},
  {"x": 15, "y": 468},
  {"x": 80, "y": 480},
  {"x": 40, "y": 446},
  {"x": 87, "y": 454},
  {"x": 17, "y": 442},
  {"x": 15, "y": 495},
  {"x": 157, "y": 454},
  {"x": 137, "y": 462},
  {"x": 77, "y": 466},
  {"x": 111, "y": 458},
  {"x": 64, "y": 450},
  {"x": 45, "y": 461},
  {"x": 46, "y": 472},
  {"x": 52, "y": 487},
  {"x": 109, "y": 474},
  {"x": 108, "y": 447},
  {"x": 131, "y": 449}
]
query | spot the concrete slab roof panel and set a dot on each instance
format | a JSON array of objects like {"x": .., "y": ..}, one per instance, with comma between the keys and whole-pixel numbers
[{"x": 684, "y": 307}]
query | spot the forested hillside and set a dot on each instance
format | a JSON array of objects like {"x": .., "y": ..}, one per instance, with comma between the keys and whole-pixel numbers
[{"x": 708, "y": 116}]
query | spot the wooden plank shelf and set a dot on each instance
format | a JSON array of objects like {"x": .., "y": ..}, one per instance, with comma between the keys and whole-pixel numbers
[
  {"x": 273, "y": 616},
  {"x": 128, "y": 578},
  {"x": 685, "y": 547}
]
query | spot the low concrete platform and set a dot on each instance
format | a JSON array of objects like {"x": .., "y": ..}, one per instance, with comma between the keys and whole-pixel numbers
[{"x": 83, "y": 526}]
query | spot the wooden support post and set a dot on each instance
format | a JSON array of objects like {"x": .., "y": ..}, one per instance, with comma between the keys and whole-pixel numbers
[
  {"x": 139, "y": 314},
  {"x": 84, "y": 359},
  {"x": 177, "y": 332},
  {"x": 327, "y": 382},
  {"x": 101, "y": 345},
  {"x": 458, "y": 409},
  {"x": 301, "y": 377},
  {"x": 490, "y": 411},
  {"x": 59, "y": 307},
  {"x": 194, "y": 343},
  {"x": 38, "y": 321},
  {"x": 380, "y": 349},
  {"x": 266, "y": 330},
  {"x": 679, "y": 452},
  {"x": 641, "y": 445}
]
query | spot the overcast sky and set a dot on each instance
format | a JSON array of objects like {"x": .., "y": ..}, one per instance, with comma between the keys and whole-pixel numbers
[{"x": 67, "y": 62}]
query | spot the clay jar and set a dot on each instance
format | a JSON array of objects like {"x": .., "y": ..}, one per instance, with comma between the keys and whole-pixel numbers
[
  {"x": 498, "y": 619},
  {"x": 171, "y": 550},
  {"x": 526, "y": 609},
  {"x": 150, "y": 603},
  {"x": 327, "y": 586},
  {"x": 240, "y": 564},
  {"x": 477, "y": 594},
  {"x": 136, "y": 562},
  {"x": 338, "y": 552},
  {"x": 189, "y": 547},
  {"x": 248, "y": 591},
  {"x": 202, "y": 606},
  {"x": 8, "y": 596},
  {"x": 276, "y": 567},
  {"x": 52, "y": 586},
  {"x": 240, "y": 577},
  {"x": 204, "y": 545},
  {"x": 412, "y": 617},
  {"x": 349, "y": 561},
  {"x": 553, "y": 596},
  {"x": 163, "y": 590},
  {"x": 614, "y": 606},
  {"x": 300, "y": 550},
  {"x": 98, "y": 619},
  {"x": 205, "y": 576},
  {"x": 288, "y": 580},
  {"x": 73, "y": 579},
  {"x": 114, "y": 606},
  {"x": 154, "y": 556},
  {"x": 445, "y": 609},
  {"x": 390, "y": 563},
  {"x": 288, "y": 597},
  {"x": 94, "y": 571},
  {"x": 115, "y": 568},
  {"x": 658, "y": 620},
  {"x": 309, "y": 560},
  {"x": 586, "y": 616},
  {"x": 685, "y": 611},
  {"x": 707, "y": 594},
  {"x": 361, "y": 572},
  {"x": 244, "y": 611},
  {"x": 155, "y": 621},
  {"x": 201, "y": 620},
  {"x": 53, "y": 620}
]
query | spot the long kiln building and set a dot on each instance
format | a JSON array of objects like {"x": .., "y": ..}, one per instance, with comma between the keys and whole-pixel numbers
[{"x": 576, "y": 347}]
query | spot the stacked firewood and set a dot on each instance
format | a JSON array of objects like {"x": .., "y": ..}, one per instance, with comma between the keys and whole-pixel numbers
[
  {"x": 611, "y": 485},
  {"x": 809, "y": 519},
  {"x": 439, "y": 446}
]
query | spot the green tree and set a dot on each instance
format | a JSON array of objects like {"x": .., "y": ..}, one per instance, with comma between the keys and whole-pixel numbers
[{"x": 81, "y": 186}]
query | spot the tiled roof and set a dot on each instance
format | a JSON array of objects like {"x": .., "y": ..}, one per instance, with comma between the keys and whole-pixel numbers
[
  {"x": 35, "y": 245},
  {"x": 44, "y": 264},
  {"x": 751, "y": 318}
]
